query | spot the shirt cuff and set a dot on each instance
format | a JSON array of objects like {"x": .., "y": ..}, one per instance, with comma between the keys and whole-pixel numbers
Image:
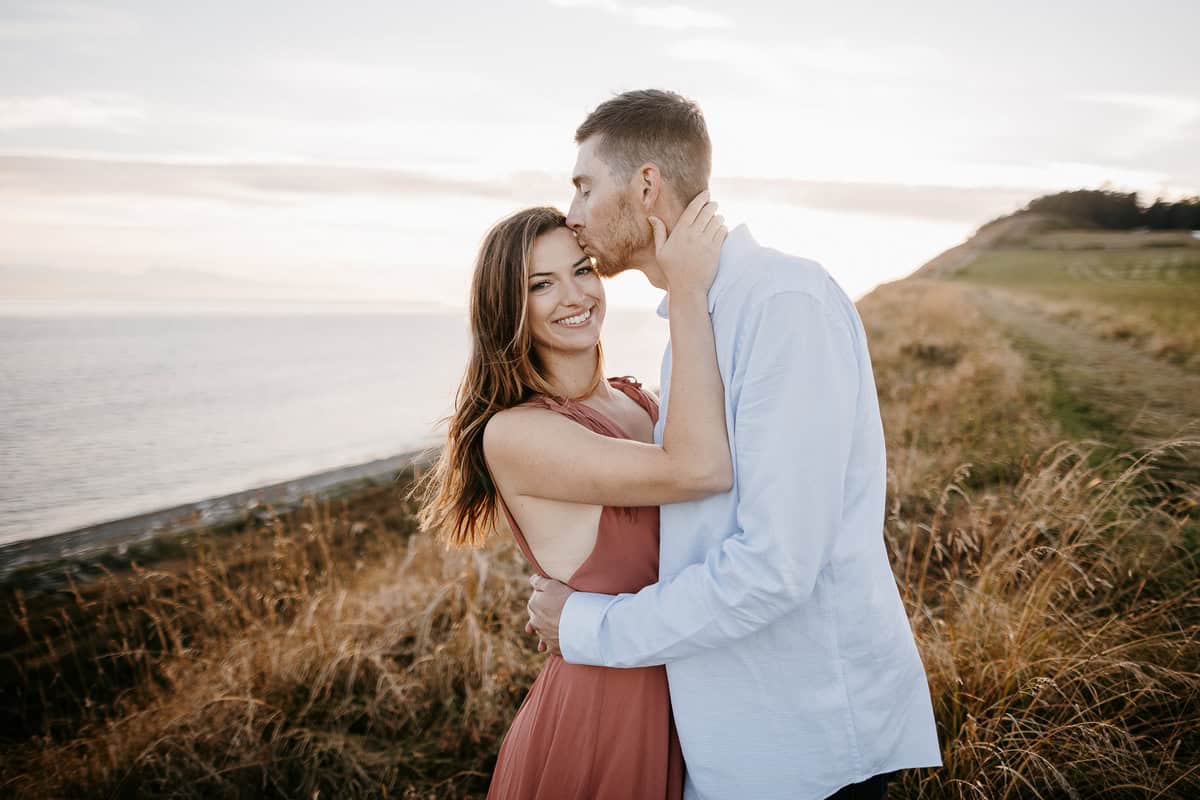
[{"x": 579, "y": 627}]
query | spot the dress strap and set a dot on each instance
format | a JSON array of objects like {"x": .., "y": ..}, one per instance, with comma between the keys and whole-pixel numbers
[
  {"x": 632, "y": 387},
  {"x": 590, "y": 418},
  {"x": 580, "y": 413}
]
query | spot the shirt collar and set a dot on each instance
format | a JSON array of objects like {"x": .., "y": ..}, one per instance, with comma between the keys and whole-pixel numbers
[{"x": 736, "y": 244}]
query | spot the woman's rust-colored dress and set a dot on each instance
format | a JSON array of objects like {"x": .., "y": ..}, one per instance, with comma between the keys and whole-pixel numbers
[{"x": 596, "y": 732}]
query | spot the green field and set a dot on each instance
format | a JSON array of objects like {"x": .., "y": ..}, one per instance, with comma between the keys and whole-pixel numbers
[{"x": 1149, "y": 295}]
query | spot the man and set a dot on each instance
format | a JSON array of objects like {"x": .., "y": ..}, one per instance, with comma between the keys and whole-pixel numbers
[{"x": 792, "y": 666}]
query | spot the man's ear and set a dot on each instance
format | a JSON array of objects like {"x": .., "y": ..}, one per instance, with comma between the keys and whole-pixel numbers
[{"x": 650, "y": 185}]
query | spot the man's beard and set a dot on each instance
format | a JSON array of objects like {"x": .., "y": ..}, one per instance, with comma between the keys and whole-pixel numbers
[{"x": 623, "y": 237}]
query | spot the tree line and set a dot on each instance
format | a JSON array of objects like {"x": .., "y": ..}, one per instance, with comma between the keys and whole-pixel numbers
[{"x": 1119, "y": 210}]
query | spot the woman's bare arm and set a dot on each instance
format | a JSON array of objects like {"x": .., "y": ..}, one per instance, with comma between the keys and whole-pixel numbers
[{"x": 540, "y": 453}]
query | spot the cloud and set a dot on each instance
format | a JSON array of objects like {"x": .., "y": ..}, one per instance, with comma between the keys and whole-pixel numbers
[
  {"x": 379, "y": 82},
  {"x": 268, "y": 183},
  {"x": 777, "y": 64},
  {"x": 671, "y": 17},
  {"x": 51, "y": 19},
  {"x": 248, "y": 182},
  {"x": 931, "y": 202},
  {"x": 105, "y": 112},
  {"x": 1159, "y": 120},
  {"x": 677, "y": 17},
  {"x": 327, "y": 73}
]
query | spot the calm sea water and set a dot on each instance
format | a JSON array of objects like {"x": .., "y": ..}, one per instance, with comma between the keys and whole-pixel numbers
[{"x": 103, "y": 417}]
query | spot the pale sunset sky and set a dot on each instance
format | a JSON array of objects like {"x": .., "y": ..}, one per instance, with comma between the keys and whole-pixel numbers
[{"x": 219, "y": 152}]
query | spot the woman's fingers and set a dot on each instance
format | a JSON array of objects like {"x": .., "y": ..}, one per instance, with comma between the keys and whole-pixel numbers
[
  {"x": 693, "y": 209},
  {"x": 689, "y": 255},
  {"x": 705, "y": 215},
  {"x": 660, "y": 233}
]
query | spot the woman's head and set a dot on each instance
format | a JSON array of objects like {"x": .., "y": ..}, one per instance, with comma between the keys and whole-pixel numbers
[
  {"x": 535, "y": 299},
  {"x": 531, "y": 283},
  {"x": 565, "y": 308}
]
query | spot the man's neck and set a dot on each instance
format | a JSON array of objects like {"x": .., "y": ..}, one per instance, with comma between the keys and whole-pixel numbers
[
  {"x": 647, "y": 261},
  {"x": 653, "y": 272}
]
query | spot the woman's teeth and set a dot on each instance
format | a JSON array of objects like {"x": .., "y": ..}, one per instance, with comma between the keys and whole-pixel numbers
[{"x": 576, "y": 321}]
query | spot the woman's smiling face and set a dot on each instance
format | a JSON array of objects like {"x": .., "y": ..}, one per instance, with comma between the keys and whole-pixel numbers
[{"x": 566, "y": 297}]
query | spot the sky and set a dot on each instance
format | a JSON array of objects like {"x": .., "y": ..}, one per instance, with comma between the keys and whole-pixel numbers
[{"x": 355, "y": 153}]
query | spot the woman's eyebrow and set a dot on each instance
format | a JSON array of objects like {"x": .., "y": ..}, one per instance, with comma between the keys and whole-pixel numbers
[{"x": 576, "y": 264}]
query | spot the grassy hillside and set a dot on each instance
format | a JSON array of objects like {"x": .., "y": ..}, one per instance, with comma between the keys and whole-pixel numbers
[
  {"x": 1110, "y": 318},
  {"x": 1142, "y": 287},
  {"x": 1045, "y": 546}
]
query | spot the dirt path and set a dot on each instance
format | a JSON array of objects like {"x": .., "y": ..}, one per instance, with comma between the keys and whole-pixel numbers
[{"x": 1107, "y": 389}]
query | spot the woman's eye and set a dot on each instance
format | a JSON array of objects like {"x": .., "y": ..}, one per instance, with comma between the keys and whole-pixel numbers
[
  {"x": 540, "y": 285},
  {"x": 583, "y": 270}
]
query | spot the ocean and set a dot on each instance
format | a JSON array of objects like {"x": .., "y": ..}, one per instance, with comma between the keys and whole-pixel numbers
[{"x": 105, "y": 417}]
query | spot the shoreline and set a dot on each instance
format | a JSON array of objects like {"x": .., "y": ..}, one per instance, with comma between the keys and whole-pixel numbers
[{"x": 115, "y": 537}]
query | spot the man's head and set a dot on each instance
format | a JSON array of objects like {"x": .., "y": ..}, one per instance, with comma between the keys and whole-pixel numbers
[{"x": 643, "y": 153}]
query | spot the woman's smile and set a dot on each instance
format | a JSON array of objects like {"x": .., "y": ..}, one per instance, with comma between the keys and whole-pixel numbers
[{"x": 577, "y": 321}]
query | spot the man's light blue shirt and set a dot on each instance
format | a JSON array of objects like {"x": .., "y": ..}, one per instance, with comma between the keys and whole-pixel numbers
[{"x": 792, "y": 666}]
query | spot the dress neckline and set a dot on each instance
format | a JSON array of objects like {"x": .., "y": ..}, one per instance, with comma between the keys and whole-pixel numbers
[{"x": 634, "y": 393}]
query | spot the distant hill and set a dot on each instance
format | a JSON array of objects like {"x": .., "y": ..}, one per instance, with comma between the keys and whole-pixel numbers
[
  {"x": 1113, "y": 313},
  {"x": 1014, "y": 228},
  {"x": 1108, "y": 316},
  {"x": 1110, "y": 210},
  {"x": 1097, "y": 211}
]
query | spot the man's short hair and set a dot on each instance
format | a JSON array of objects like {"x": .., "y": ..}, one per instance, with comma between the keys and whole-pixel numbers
[{"x": 652, "y": 125}]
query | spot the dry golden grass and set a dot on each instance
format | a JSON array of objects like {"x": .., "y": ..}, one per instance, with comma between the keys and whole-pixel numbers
[
  {"x": 952, "y": 390},
  {"x": 308, "y": 678},
  {"x": 1053, "y": 598},
  {"x": 1060, "y": 627}
]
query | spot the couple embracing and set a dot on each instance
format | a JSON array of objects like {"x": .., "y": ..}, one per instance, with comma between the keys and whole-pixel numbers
[{"x": 712, "y": 582}]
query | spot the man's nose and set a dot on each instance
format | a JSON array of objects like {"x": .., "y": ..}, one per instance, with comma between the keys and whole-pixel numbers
[{"x": 574, "y": 218}]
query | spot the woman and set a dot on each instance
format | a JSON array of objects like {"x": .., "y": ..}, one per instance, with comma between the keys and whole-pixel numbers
[{"x": 569, "y": 460}]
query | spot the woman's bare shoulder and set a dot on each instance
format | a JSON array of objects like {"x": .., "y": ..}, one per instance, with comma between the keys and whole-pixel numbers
[{"x": 517, "y": 431}]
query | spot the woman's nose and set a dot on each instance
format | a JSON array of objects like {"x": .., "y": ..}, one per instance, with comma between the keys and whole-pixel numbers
[{"x": 574, "y": 292}]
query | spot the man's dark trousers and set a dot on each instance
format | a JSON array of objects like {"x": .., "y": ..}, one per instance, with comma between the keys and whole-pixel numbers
[{"x": 870, "y": 789}]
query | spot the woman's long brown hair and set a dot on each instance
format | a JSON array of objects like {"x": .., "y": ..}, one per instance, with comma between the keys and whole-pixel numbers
[{"x": 458, "y": 496}]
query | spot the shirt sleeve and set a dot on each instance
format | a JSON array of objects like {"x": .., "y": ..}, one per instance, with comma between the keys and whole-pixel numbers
[{"x": 793, "y": 427}]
